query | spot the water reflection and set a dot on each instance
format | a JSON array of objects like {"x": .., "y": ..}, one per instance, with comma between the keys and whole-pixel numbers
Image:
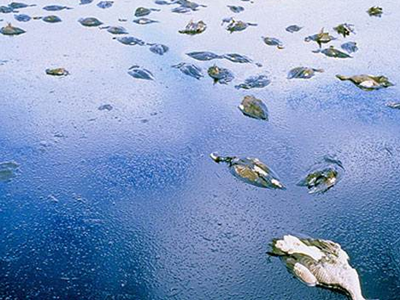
[{"x": 125, "y": 202}]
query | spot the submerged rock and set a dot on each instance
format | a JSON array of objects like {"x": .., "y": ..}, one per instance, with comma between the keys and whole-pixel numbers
[
  {"x": 57, "y": 72},
  {"x": 11, "y": 30},
  {"x": 190, "y": 70},
  {"x": 318, "y": 262},
  {"x": 293, "y": 28},
  {"x": 350, "y": 47},
  {"x": 193, "y": 28},
  {"x": 203, "y": 55},
  {"x": 131, "y": 41},
  {"x": 252, "y": 82},
  {"x": 90, "y": 22},
  {"x": 140, "y": 73},
  {"x": 273, "y": 42},
  {"x": 251, "y": 171},
  {"x": 254, "y": 108},
  {"x": 332, "y": 52},
  {"x": 8, "y": 170},
  {"x": 323, "y": 175},
  {"x": 220, "y": 75},
  {"x": 375, "y": 11},
  {"x": 368, "y": 82},
  {"x": 303, "y": 72},
  {"x": 234, "y": 25},
  {"x": 320, "y": 38},
  {"x": 51, "y": 19}
]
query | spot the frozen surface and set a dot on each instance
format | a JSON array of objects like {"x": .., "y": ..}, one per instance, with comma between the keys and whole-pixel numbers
[{"x": 126, "y": 203}]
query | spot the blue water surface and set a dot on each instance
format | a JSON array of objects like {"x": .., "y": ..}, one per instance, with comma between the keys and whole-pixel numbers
[{"x": 127, "y": 204}]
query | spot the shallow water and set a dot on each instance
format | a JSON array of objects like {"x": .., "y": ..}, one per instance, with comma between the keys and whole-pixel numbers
[{"x": 126, "y": 203}]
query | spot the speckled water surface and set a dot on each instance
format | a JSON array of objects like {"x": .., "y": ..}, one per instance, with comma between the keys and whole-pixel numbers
[{"x": 124, "y": 202}]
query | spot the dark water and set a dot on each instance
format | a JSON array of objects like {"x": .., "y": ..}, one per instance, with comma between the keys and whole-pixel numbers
[{"x": 127, "y": 204}]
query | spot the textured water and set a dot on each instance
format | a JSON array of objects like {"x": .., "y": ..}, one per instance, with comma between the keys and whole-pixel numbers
[{"x": 126, "y": 203}]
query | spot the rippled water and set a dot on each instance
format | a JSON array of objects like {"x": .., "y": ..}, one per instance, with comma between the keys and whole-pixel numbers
[{"x": 126, "y": 203}]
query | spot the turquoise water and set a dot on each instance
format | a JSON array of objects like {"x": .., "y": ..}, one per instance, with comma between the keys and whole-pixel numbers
[{"x": 126, "y": 203}]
